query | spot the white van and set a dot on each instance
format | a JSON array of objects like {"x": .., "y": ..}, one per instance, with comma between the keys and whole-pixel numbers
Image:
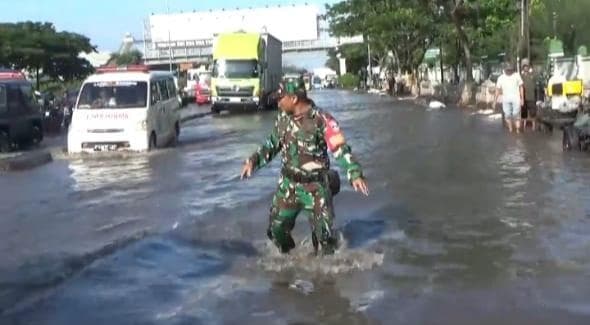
[{"x": 125, "y": 108}]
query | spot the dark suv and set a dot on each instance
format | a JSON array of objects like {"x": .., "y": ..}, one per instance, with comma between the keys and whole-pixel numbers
[{"x": 20, "y": 116}]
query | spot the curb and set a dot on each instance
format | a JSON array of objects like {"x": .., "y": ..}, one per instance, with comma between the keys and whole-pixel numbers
[{"x": 24, "y": 161}]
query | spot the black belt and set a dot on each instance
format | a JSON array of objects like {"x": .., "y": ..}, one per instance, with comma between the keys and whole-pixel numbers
[{"x": 303, "y": 178}]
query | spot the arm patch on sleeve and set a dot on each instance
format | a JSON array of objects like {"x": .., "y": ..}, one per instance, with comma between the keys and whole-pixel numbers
[{"x": 332, "y": 133}]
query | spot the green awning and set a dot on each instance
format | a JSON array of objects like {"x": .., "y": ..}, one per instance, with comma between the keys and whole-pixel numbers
[{"x": 555, "y": 48}]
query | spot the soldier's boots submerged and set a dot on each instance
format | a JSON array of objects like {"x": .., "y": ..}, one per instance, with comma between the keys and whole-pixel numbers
[
  {"x": 285, "y": 245},
  {"x": 326, "y": 247}
]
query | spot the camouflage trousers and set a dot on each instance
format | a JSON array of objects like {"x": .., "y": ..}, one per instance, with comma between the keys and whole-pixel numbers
[{"x": 292, "y": 197}]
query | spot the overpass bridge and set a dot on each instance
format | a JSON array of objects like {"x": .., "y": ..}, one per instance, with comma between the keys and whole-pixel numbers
[
  {"x": 188, "y": 37},
  {"x": 200, "y": 51}
]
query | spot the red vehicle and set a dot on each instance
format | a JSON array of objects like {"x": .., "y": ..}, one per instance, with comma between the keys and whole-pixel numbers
[{"x": 202, "y": 88}]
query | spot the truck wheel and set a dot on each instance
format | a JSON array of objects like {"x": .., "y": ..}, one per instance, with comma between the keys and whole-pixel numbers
[
  {"x": 5, "y": 145},
  {"x": 571, "y": 139}
]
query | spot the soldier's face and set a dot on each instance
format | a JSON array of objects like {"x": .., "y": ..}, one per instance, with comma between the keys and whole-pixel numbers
[{"x": 287, "y": 103}]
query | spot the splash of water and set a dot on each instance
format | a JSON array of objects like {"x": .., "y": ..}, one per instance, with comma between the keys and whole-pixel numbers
[{"x": 302, "y": 259}]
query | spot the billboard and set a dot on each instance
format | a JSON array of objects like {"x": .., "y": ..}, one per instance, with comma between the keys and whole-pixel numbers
[{"x": 287, "y": 23}]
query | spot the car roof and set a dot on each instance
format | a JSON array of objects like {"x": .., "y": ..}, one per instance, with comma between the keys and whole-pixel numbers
[
  {"x": 128, "y": 76},
  {"x": 15, "y": 81}
]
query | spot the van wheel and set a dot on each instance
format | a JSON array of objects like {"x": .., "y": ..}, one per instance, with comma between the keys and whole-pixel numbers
[
  {"x": 153, "y": 143},
  {"x": 571, "y": 139},
  {"x": 214, "y": 109},
  {"x": 5, "y": 145},
  {"x": 174, "y": 141}
]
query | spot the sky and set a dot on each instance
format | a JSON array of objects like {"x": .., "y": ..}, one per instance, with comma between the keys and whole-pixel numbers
[{"x": 105, "y": 22}]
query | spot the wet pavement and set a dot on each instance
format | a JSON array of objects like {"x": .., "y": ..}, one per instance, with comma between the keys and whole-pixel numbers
[{"x": 465, "y": 225}]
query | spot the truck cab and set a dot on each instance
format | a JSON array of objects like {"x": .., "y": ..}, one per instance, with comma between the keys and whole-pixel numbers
[
  {"x": 247, "y": 68},
  {"x": 20, "y": 114}
]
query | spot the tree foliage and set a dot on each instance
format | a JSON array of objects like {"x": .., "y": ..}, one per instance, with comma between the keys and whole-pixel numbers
[
  {"x": 355, "y": 54},
  {"x": 39, "y": 47},
  {"x": 570, "y": 19},
  {"x": 130, "y": 57},
  {"x": 403, "y": 28}
]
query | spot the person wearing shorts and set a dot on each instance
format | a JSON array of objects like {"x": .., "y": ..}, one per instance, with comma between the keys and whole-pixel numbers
[{"x": 510, "y": 87}]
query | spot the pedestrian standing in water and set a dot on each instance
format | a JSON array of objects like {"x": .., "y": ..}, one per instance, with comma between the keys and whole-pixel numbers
[
  {"x": 510, "y": 87},
  {"x": 529, "y": 109},
  {"x": 304, "y": 134}
]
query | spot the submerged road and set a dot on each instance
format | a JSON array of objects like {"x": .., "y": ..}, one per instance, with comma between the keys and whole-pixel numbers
[{"x": 465, "y": 224}]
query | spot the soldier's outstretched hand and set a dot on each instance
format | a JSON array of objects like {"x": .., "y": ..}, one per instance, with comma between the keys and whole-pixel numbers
[
  {"x": 247, "y": 169},
  {"x": 360, "y": 185}
]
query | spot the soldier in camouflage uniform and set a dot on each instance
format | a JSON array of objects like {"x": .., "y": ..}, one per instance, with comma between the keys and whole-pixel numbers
[{"x": 304, "y": 134}]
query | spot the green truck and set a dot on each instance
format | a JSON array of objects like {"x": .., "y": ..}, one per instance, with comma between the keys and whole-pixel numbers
[{"x": 247, "y": 69}]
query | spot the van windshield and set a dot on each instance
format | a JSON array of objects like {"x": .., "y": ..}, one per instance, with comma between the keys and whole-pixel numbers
[{"x": 113, "y": 95}]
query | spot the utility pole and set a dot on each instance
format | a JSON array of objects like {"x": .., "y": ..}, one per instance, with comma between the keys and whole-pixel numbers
[
  {"x": 169, "y": 38},
  {"x": 528, "y": 28},
  {"x": 370, "y": 72},
  {"x": 440, "y": 52},
  {"x": 554, "y": 24},
  {"x": 521, "y": 43}
]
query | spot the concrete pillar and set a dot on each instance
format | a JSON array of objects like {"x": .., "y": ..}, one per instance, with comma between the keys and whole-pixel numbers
[{"x": 342, "y": 66}]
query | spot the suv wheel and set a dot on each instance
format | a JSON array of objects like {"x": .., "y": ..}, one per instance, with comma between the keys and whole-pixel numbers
[
  {"x": 36, "y": 135},
  {"x": 5, "y": 145}
]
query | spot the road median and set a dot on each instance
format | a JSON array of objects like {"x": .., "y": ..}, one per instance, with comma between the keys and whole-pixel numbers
[{"x": 24, "y": 160}]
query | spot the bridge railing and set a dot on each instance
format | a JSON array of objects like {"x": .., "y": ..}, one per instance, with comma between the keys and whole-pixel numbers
[{"x": 187, "y": 50}]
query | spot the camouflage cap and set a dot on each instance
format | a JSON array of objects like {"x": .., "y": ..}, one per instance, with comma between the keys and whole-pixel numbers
[{"x": 293, "y": 86}]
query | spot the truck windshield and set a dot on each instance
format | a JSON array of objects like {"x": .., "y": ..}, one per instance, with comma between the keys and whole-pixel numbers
[
  {"x": 235, "y": 69},
  {"x": 113, "y": 94}
]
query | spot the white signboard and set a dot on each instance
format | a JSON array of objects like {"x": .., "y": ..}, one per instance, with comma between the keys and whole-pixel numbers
[{"x": 287, "y": 23}]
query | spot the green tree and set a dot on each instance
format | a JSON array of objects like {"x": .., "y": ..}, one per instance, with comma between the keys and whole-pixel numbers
[
  {"x": 481, "y": 27},
  {"x": 39, "y": 47},
  {"x": 565, "y": 19},
  {"x": 355, "y": 55},
  {"x": 403, "y": 28},
  {"x": 131, "y": 57}
]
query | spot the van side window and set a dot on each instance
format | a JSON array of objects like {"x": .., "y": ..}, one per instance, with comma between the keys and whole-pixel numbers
[
  {"x": 154, "y": 93},
  {"x": 3, "y": 101},
  {"x": 171, "y": 88},
  {"x": 163, "y": 89}
]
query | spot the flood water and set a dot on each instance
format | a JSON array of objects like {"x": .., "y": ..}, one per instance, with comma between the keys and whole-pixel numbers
[{"x": 465, "y": 224}]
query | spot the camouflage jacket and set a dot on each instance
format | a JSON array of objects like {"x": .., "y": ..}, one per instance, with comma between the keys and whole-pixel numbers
[{"x": 304, "y": 143}]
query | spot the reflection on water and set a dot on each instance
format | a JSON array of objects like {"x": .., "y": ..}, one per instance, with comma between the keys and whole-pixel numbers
[{"x": 91, "y": 173}]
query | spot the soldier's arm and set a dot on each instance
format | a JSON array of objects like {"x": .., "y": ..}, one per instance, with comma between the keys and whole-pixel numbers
[
  {"x": 269, "y": 149},
  {"x": 340, "y": 149}
]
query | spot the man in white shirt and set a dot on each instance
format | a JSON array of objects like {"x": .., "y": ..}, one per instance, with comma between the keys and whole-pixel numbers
[{"x": 510, "y": 86}]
